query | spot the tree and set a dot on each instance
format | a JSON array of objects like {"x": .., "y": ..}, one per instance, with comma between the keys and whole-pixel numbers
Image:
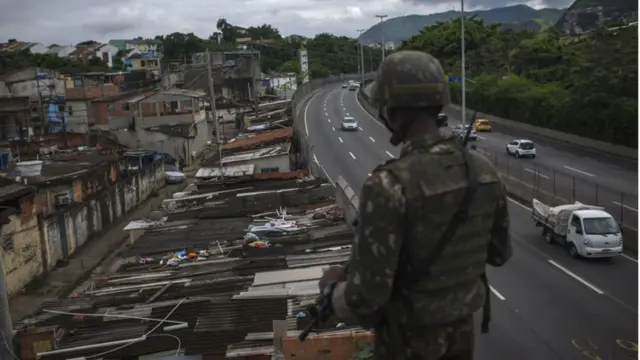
[{"x": 571, "y": 84}]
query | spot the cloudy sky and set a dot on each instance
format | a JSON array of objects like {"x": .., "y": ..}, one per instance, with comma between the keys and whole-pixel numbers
[{"x": 72, "y": 21}]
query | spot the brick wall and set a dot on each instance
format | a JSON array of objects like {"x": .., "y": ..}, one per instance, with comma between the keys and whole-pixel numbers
[
  {"x": 101, "y": 112},
  {"x": 336, "y": 346},
  {"x": 92, "y": 92}
]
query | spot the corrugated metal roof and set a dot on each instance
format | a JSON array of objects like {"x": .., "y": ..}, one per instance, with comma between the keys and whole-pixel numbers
[
  {"x": 282, "y": 149},
  {"x": 227, "y": 171},
  {"x": 265, "y": 137}
]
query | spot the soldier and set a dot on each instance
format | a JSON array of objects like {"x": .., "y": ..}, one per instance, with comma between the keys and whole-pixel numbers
[{"x": 429, "y": 222}]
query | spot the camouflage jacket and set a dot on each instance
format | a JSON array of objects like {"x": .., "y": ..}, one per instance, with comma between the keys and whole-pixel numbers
[{"x": 404, "y": 207}]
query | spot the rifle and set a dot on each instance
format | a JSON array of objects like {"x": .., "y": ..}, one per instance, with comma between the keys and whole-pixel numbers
[
  {"x": 466, "y": 136},
  {"x": 321, "y": 311}
]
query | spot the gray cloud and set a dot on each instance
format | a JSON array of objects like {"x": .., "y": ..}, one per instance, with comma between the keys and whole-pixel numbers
[{"x": 72, "y": 21}]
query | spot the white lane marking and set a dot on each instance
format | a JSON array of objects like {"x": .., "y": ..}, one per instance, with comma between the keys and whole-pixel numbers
[
  {"x": 583, "y": 281},
  {"x": 537, "y": 173},
  {"x": 496, "y": 293},
  {"x": 372, "y": 139},
  {"x": 353, "y": 156},
  {"x": 334, "y": 128},
  {"x": 339, "y": 138},
  {"x": 306, "y": 109},
  {"x": 325, "y": 114},
  {"x": 348, "y": 114},
  {"x": 390, "y": 154},
  {"x": 323, "y": 170},
  {"x": 369, "y": 174},
  {"x": 519, "y": 204},
  {"x": 360, "y": 128},
  {"x": 625, "y": 206},
  {"x": 482, "y": 138},
  {"x": 578, "y": 171},
  {"x": 629, "y": 258},
  {"x": 329, "y": 120}
]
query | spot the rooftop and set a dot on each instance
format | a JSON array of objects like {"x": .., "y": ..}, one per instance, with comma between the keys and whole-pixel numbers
[
  {"x": 214, "y": 273},
  {"x": 259, "y": 140},
  {"x": 281, "y": 149}
]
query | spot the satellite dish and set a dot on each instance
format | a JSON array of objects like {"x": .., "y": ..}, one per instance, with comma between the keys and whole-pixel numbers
[{"x": 156, "y": 216}]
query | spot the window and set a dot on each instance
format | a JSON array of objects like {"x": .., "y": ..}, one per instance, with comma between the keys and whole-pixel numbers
[
  {"x": 69, "y": 110},
  {"x": 527, "y": 145},
  {"x": 187, "y": 104},
  {"x": 575, "y": 222},
  {"x": 7, "y": 242},
  {"x": 601, "y": 226},
  {"x": 270, "y": 170},
  {"x": 143, "y": 63},
  {"x": 126, "y": 106}
]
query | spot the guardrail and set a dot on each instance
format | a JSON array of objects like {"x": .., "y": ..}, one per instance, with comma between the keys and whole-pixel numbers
[
  {"x": 526, "y": 182},
  {"x": 301, "y": 96}
]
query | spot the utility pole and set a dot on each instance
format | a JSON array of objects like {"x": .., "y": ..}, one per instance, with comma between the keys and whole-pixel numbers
[
  {"x": 360, "y": 31},
  {"x": 6, "y": 336},
  {"x": 216, "y": 124},
  {"x": 382, "y": 17},
  {"x": 462, "y": 63}
]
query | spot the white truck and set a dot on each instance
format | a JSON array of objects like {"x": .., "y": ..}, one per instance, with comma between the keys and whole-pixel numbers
[{"x": 585, "y": 230}]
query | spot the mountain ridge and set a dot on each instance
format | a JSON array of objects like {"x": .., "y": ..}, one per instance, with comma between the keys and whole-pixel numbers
[{"x": 514, "y": 17}]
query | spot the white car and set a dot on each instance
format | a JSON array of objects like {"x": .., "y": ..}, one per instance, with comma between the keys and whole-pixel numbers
[
  {"x": 172, "y": 175},
  {"x": 461, "y": 132},
  {"x": 344, "y": 86},
  {"x": 349, "y": 124},
  {"x": 521, "y": 148}
]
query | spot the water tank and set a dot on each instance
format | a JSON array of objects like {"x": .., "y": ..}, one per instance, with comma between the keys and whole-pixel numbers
[{"x": 30, "y": 168}]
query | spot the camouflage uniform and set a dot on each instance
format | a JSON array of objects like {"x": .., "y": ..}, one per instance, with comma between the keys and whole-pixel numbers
[{"x": 405, "y": 206}]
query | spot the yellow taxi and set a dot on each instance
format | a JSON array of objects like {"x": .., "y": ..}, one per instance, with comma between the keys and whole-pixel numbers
[{"x": 482, "y": 125}]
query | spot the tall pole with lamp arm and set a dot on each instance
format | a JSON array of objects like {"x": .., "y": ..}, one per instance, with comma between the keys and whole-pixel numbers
[
  {"x": 382, "y": 17},
  {"x": 361, "y": 60},
  {"x": 463, "y": 120}
]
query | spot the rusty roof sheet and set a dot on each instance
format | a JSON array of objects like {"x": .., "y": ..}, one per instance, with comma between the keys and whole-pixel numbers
[{"x": 263, "y": 138}]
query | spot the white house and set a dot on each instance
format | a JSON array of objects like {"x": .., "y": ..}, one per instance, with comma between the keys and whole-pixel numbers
[
  {"x": 107, "y": 53},
  {"x": 37, "y": 48},
  {"x": 60, "y": 51}
]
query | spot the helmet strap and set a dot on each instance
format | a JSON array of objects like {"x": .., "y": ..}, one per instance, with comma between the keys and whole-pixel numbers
[{"x": 397, "y": 137}]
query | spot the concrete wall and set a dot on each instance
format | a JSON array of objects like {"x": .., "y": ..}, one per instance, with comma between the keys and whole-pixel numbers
[
  {"x": 21, "y": 248},
  {"x": 282, "y": 162},
  {"x": 66, "y": 231},
  {"x": 78, "y": 113},
  {"x": 36, "y": 88}
]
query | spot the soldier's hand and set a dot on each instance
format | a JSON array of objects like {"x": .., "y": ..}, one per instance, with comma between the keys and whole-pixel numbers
[{"x": 334, "y": 273}]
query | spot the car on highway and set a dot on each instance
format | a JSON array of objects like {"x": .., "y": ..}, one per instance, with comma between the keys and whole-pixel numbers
[
  {"x": 482, "y": 125},
  {"x": 349, "y": 124},
  {"x": 585, "y": 230},
  {"x": 521, "y": 148},
  {"x": 344, "y": 86},
  {"x": 461, "y": 131}
]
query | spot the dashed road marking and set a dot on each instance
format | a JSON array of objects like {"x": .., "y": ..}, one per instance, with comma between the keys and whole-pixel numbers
[
  {"x": 372, "y": 139},
  {"x": 369, "y": 174},
  {"x": 360, "y": 128},
  {"x": 579, "y": 171},
  {"x": 390, "y": 154},
  {"x": 537, "y": 173},
  {"x": 334, "y": 128},
  {"x": 326, "y": 114},
  {"x": 339, "y": 138},
  {"x": 583, "y": 281},
  {"x": 353, "y": 156},
  {"x": 496, "y": 293}
]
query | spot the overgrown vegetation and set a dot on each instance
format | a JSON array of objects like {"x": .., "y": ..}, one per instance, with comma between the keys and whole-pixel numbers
[
  {"x": 586, "y": 87},
  {"x": 328, "y": 54}
]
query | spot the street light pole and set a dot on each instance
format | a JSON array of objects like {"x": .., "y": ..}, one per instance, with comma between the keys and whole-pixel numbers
[
  {"x": 361, "y": 60},
  {"x": 382, "y": 17},
  {"x": 462, "y": 61}
]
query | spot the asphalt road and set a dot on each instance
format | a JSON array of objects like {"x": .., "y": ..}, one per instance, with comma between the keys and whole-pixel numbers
[
  {"x": 573, "y": 173},
  {"x": 545, "y": 304}
]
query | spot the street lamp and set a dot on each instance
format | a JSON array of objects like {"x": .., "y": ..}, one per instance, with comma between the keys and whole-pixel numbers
[
  {"x": 462, "y": 61},
  {"x": 361, "y": 60},
  {"x": 381, "y": 17}
]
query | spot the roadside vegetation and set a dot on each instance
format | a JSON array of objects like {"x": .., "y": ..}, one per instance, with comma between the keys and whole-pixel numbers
[{"x": 586, "y": 87}]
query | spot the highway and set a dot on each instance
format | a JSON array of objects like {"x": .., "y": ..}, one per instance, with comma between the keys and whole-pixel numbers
[
  {"x": 545, "y": 304},
  {"x": 576, "y": 174}
]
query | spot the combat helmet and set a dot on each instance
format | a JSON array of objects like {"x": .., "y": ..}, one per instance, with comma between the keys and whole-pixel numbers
[{"x": 410, "y": 79}]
